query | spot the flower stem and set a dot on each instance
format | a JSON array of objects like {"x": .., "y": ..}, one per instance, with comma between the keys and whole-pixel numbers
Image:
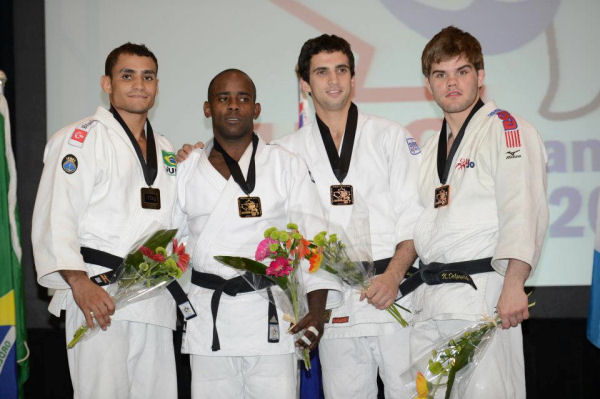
[{"x": 79, "y": 333}]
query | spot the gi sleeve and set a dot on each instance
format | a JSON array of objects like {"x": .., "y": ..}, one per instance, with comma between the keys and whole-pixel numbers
[
  {"x": 519, "y": 159},
  {"x": 304, "y": 209},
  {"x": 71, "y": 171},
  {"x": 404, "y": 157}
]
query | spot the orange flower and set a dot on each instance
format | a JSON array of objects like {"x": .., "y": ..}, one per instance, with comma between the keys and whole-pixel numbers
[
  {"x": 315, "y": 261},
  {"x": 302, "y": 249},
  {"x": 422, "y": 386}
]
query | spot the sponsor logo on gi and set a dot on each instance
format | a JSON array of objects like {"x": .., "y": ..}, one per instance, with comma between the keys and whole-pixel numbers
[
  {"x": 465, "y": 163},
  {"x": 513, "y": 154},
  {"x": 170, "y": 162},
  {"x": 87, "y": 124},
  {"x": 69, "y": 164},
  {"x": 413, "y": 147}
]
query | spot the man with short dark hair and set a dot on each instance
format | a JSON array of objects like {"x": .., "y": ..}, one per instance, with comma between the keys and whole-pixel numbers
[
  {"x": 483, "y": 187},
  {"x": 108, "y": 180},
  {"x": 229, "y": 193},
  {"x": 368, "y": 166}
]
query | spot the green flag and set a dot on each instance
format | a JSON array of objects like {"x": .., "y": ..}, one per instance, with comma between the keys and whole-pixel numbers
[{"x": 14, "y": 354}]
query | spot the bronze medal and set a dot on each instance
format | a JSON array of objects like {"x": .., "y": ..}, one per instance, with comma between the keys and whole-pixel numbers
[
  {"x": 150, "y": 198},
  {"x": 341, "y": 194},
  {"x": 249, "y": 207},
  {"x": 442, "y": 196}
]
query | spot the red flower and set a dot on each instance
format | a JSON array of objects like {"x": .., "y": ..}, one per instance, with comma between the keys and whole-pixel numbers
[
  {"x": 150, "y": 254},
  {"x": 280, "y": 267},
  {"x": 183, "y": 258}
]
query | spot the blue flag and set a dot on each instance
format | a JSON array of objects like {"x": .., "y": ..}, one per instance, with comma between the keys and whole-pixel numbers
[{"x": 593, "y": 322}]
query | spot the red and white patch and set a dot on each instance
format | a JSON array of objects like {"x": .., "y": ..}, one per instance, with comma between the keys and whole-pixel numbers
[
  {"x": 78, "y": 137},
  {"x": 340, "y": 320},
  {"x": 513, "y": 140}
]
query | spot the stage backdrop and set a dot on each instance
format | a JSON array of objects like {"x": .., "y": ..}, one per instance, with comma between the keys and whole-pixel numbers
[{"x": 540, "y": 60}]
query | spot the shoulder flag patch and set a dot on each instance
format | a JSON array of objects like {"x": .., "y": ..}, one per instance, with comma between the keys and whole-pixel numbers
[
  {"x": 80, "y": 133},
  {"x": 77, "y": 138},
  {"x": 413, "y": 147},
  {"x": 511, "y": 128}
]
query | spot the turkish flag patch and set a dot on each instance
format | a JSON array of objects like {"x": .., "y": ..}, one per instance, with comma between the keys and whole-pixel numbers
[{"x": 78, "y": 137}]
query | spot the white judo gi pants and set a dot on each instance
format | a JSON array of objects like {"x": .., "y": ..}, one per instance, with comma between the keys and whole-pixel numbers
[
  {"x": 127, "y": 361},
  {"x": 244, "y": 377},
  {"x": 500, "y": 373},
  {"x": 350, "y": 365}
]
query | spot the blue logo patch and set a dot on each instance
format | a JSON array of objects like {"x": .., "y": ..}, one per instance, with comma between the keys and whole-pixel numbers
[
  {"x": 69, "y": 164},
  {"x": 413, "y": 147}
]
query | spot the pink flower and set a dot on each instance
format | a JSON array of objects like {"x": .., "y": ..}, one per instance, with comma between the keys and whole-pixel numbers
[
  {"x": 263, "y": 250},
  {"x": 280, "y": 267},
  {"x": 150, "y": 254}
]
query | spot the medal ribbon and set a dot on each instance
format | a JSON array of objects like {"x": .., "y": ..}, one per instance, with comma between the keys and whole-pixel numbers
[
  {"x": 234, "y": 168},
  {"x": 340, "y": 164},
  {"x": 444, "y": 164},
  {"x": 149, "y": 167}
]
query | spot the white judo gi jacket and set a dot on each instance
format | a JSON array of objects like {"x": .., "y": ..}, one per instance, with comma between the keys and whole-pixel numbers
[
  {"x": 207, "y": 211},
  {"x": 497, "y": 208},
  {"x": 383, "y": 173},
  {"x": 89, "y": 195}
]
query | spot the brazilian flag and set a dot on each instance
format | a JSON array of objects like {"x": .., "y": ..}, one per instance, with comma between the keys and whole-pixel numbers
[{"x": 14, "y": 366}]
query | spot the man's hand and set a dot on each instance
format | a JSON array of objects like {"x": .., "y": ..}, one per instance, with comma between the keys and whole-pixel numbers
[
  {"x": 313, "y": 323},
  {"x": 513, "y": 306},
  {"x": 93, "y": 301},
  {"x": 186, "y": 150},
  {"x": 383, "y": 290}
]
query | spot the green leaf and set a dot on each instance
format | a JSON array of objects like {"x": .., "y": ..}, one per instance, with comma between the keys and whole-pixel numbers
[
  {"x": 436, "y": 368},
  {"x": 252, "y": 266},
  {"x": 464, "y": 355},
  {"x": 160, "y": 238}
]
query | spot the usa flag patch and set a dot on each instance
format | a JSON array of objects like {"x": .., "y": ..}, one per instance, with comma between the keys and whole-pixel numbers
[
  {"x": 511, "y": 128},
  {"x": 512, "y": 138}
]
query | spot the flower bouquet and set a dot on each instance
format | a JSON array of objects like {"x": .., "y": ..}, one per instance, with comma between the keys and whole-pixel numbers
[
  {"x": 285, "y": 249},
  {"x": 144, "y": 273},
  {"x": 453, "y": 361},
  {"x": 335, "y": 257}
]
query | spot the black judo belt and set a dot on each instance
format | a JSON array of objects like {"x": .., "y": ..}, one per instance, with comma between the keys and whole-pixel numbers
[
  {"x": 443, "y": 273},
  {"x": 232, "y": 287},
  {"x": 112, "y": 262},
  {"x": 382, "y": 264}
]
